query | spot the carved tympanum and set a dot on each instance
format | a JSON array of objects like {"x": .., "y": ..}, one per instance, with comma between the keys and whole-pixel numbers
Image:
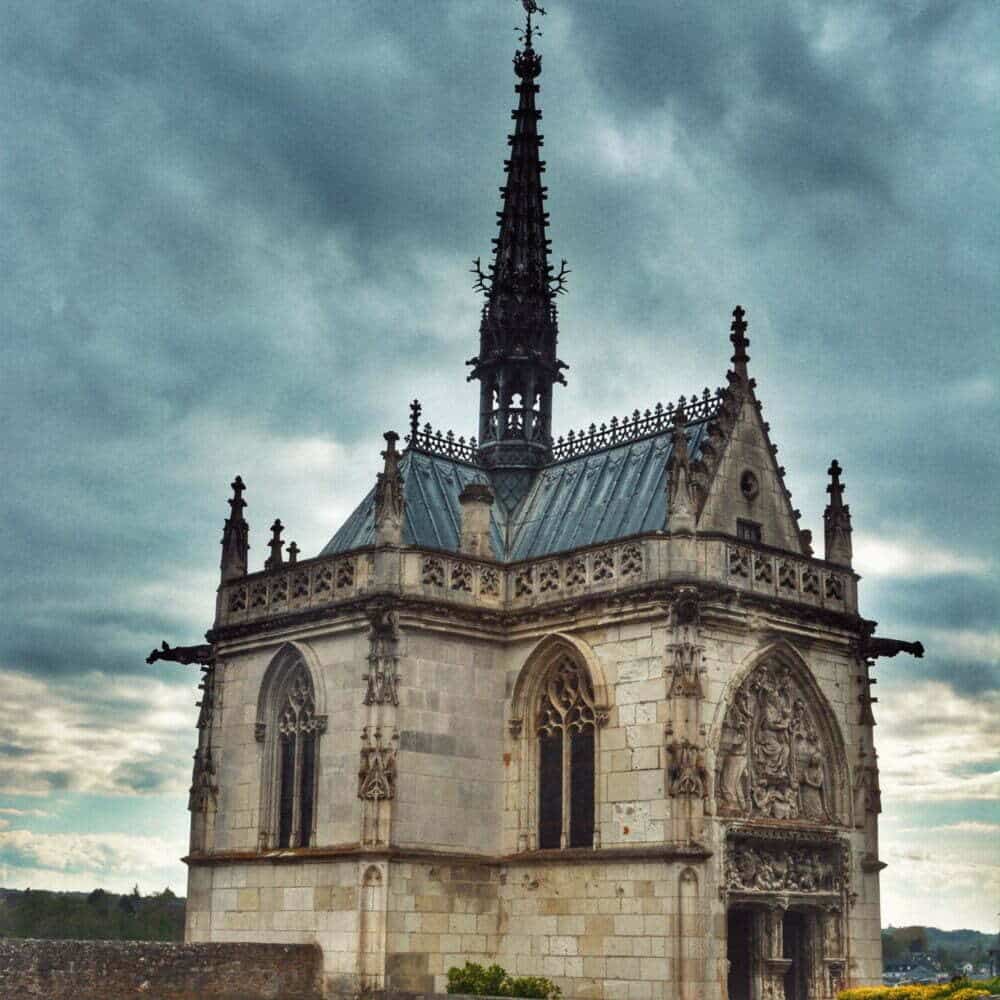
[{"x": 772, "y": 760}]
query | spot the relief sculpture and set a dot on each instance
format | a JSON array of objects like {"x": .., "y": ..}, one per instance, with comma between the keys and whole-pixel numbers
[
  {"x": 771, "y": 759},
  {"x": 805, "y": 869}
]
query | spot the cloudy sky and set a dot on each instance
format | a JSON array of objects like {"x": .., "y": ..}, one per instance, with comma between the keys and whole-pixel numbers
[{"x": 237, "y": 239}]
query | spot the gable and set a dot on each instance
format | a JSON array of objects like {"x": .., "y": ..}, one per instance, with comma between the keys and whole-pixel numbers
[{"x": 748, "y": 449}]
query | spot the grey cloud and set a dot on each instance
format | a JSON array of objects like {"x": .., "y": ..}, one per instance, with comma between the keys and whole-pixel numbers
[{"x": 232, "y": 229}]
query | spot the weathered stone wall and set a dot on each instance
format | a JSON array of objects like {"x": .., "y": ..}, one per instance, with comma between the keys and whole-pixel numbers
[
  {"x": 316, "y": 902},
  {"x": 115, "y": 970},
  {"x": 450, "y": 770},
  {"x": 239, "y": 755}
]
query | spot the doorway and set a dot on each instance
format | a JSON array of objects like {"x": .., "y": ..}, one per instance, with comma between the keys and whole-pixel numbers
[
  {"x": 739, "y": 951},
  {"x": 794, "y": 935}
]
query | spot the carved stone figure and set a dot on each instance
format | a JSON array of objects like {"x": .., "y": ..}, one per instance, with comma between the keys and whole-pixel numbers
[
  {"x": 383, "y": 637},
  {"x": 771, "y": 761}
]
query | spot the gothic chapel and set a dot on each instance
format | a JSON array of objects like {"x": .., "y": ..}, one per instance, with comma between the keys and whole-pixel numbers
[{"x": 587, "y": 707}]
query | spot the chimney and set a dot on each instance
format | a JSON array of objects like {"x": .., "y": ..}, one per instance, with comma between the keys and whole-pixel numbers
[{"x": 477, "y": 501}]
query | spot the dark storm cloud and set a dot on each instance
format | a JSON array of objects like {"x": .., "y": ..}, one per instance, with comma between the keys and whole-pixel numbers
[{"x": 238, "y": 240}]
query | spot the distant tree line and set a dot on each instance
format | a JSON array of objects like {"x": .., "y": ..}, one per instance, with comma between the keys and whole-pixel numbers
[
  {"x": 99, "y": 916},
  {"x": 949, "y": 949}
]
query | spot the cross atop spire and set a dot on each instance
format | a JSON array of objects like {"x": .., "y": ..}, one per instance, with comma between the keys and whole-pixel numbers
[
  {"x": 740, "y": 341},
  {"x": 235, "y": 536},
  {"x": 517, "y": 364},
  {"x": 275, "y": 559},
  {"x": 837, "y": 520},
  {"x": 836, "y": 487}
]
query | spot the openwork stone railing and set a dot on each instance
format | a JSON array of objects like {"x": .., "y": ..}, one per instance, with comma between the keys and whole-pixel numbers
[
  {"x": 787, "y": 576},
  {"x": 626, "y": 566},
  {"x": 639, "y": 425},
  {"x": 292, "y": 588}
]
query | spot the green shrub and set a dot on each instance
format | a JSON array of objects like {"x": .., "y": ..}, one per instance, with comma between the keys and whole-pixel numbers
[{"x": 495, "y": 982}]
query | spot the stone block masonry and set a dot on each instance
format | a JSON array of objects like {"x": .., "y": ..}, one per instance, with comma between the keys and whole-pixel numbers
[{"x": 115, "y": 970}]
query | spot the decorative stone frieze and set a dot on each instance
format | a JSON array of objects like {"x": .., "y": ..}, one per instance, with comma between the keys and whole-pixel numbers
[
  {"x": 576, "y": 571},
  {"x": 610, "y": 569},
  {"x": 461, "y": 577},
  {"x": 756, "y": 866},
  {"x": 632, "y": 562},
  {"x": 739, "y": 562},
  {"x": 433, "y": 573},
  {"x": 604, "y": 564},
  {"x": 489, "y": 582}
]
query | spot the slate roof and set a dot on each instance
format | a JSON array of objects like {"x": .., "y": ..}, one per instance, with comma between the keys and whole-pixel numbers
[
  {"x": 431, "y": 485},
  {"x": 592, "y": 498}
]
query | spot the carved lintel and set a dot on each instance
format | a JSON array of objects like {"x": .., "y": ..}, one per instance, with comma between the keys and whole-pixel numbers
[{"x": 768, "y": 867}]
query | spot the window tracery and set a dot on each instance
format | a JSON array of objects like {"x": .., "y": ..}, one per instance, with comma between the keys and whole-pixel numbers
[
  {"x": 289, "y": 728},
  {"x": 565, "y": 727}
]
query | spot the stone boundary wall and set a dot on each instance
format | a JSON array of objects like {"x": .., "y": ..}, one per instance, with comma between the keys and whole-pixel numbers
[{"x": 115, "y": 970}]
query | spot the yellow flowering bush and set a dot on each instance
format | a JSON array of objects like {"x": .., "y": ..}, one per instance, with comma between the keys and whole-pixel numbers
[{"x": 960, "y": 989}]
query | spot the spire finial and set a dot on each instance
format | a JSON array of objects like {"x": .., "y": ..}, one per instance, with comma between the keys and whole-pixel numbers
[
  {"x": 837, "y": 520},
  {"x": 275, "y": 559},
  {"x": 531, "y": 7},
  {"x": 740, "y": 341},
  {"x": 389, "y": 498},
  {"x": 836, "y": 487},
  {"x": 415, "y": 411},
  {"x": 235, "y": 536}
]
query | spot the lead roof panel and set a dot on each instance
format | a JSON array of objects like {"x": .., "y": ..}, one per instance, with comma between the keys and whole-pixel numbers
[{"x": 590, "y": 499}]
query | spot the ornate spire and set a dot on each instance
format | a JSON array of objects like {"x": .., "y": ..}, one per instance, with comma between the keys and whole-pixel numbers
[
  {"x": 740, "y": 342},
  {"x": 235, "y": 536},
  {"x": 680, "y": 506},
  {"x": 517, "y": 363},
  {"x": 837, "y": 521},
  {"x": 275, "y": 559},
  {"x": 389, "y": 496}
]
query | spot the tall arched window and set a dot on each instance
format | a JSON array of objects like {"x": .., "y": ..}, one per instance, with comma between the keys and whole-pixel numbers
[
  {"x": 297, "y": 733},
  {"x": 289, "y": 728},
  {"x": 565, "y": 726}
]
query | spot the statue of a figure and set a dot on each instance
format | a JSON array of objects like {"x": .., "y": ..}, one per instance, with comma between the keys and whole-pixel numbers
[
  {"x": 811, "y": 779},
  {"x": 773, "y": 736}
]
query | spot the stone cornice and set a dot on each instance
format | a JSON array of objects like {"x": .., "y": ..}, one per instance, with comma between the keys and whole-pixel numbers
[{"x": 572, "y": 855}]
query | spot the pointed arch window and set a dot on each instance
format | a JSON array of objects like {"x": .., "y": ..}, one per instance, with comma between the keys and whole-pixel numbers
[
  {"x": 566, "y": 722},
  {"x": 297, "y": 734},
  {"x": 289, "y": 772}
]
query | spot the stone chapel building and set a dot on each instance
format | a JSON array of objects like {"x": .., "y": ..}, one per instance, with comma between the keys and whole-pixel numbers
[{"x": 590, "y": 708}]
